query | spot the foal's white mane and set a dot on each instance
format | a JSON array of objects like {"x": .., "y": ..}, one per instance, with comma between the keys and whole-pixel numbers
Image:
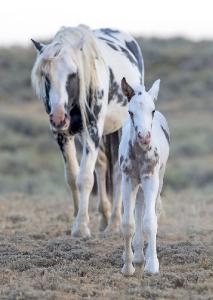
[{"x": 80, "y": 44}]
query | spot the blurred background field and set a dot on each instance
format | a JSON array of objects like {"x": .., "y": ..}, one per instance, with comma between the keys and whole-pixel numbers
[{"x": 29, "y": 158}]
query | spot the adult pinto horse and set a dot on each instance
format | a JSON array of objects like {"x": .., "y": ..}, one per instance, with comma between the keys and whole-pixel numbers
[{"x": 78, "y": 77}]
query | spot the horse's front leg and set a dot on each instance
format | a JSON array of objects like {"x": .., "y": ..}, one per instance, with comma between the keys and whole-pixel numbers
[
  {"x": 85, "y": 182},
  {"x": 150, "y": 188},
  {"x": 67, "y": 146}
]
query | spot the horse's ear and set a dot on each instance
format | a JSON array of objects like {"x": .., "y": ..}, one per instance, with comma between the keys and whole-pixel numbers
[
  {"x": 39, "y": 46},
  {"x": 155, "y": 89},
  {"x": 127, "y": 89}
]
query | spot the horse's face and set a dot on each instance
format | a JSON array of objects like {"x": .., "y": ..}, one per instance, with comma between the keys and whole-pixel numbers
[
  {"x": 61, "y": 82},
  {"x": 141, "y": 109},
  {"x": 64, "y": 87}
]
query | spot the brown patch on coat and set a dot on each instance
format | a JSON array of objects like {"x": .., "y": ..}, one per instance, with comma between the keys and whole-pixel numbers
[{"x": 140, "y": 162}]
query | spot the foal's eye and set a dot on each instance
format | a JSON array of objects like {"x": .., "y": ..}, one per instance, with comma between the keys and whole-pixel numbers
[{"x": 153, "y": 112}]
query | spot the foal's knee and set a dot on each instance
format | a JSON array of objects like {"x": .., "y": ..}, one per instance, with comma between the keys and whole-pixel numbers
[
  {"x": 128, "y": 229},
  {"x": 150, "y": 224}
]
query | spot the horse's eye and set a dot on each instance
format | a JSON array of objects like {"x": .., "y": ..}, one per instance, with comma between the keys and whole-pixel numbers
[
  {"x": 130, "y": 113},
  {"x": 153, "y": 112}
]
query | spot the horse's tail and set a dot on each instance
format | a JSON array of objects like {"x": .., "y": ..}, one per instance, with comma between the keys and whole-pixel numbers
[{"x": 111, "y": 145}]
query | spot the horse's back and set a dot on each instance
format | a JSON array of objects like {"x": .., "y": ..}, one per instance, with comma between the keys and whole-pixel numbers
[
  {"x": 123, "y": 58},
  {"x": 121, "y": 53}
]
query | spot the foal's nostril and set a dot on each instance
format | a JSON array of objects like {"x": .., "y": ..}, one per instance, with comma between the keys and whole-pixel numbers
[{"x": 140, "y": 135}]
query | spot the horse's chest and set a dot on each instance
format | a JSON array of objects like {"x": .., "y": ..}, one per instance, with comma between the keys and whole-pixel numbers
[
  {"x": 115, "y": 116},
  {"x": 139, "y": 163}
]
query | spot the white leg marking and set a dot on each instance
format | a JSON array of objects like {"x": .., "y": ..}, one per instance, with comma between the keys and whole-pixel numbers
[
  {"x": 85, "y": 182},
  {"x": 150, "y": 187},
  {"x": 71, "y": 171},
  {"x": 138, "y": 241}
]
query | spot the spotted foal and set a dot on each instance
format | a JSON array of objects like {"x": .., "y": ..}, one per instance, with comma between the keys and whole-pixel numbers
[{"x": 143, "y": 153}]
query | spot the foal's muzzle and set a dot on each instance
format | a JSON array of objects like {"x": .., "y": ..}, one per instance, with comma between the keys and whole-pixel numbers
[{"x": 144, "y": 139}]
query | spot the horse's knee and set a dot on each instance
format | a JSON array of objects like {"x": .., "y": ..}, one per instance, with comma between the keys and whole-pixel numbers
[{"x": 85, "y": 181}]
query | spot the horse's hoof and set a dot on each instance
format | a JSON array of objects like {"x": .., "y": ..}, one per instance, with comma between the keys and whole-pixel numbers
[
  {"x": 138, "y": 258},
  {"x": 128, "y": 270},
  {"x": 103, "y": 223},
  {"x": 112, "y": 229},
  {"x": 80, "y": 231},
  {"x": 152, "y": 266}
]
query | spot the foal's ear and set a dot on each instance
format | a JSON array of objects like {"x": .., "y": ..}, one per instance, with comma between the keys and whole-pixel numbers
[
  {"x": 39, "y": 46},
  {"x": 127, "y": 89},
  {"x": 155, "y": 89}
]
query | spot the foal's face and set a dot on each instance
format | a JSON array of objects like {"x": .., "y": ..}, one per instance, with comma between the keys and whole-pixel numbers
[{"x": 141, "y": 108}]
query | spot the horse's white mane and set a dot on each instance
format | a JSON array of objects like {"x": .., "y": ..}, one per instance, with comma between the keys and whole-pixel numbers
[{"x": 78, "y": 42}]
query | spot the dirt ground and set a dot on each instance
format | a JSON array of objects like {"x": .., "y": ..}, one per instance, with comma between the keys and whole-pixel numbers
[{"x": 39, "y": 260}]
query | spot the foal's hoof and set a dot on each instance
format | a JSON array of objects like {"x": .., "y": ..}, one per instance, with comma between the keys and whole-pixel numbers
[
  {"x": 152, "y": 266},
  {"x": 128, "y": 270},
  {"x": 80, "y": 231}
]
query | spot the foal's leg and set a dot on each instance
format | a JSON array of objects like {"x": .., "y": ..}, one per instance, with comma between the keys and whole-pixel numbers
[
  {"x": 68, "y": 149},
  {"x": 158, "y": 201},
  {"x": 138, "y": 241},
  {"x": 129, "y": 190},
  {"x": 104, "y": 205},
  {"x": 115, "y": 219},
  {"x": 150, "y": 188}
]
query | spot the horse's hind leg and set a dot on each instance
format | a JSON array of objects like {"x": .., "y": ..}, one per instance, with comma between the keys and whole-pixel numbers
[
  {"x": 104, "y": 205},
  {"x": 114, "y": 225}
]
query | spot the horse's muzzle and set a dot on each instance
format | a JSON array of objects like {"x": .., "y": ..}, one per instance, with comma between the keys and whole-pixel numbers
[{"x": 60, "y": 124}]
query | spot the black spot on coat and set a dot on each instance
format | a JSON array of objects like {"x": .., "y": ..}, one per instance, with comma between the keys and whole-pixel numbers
[
  {"x": 110, "y": 32},
  {"x": 62, "y": 139},
  {"x": 72, "y": 87},
  {"x": 115, "y": 90},
  {"x": 76, "y": 123},
  {"x": 121, "y": 159},
  {"x": 47, "y": 95},
  {"x": 135, "y": 50},
  {"x": 92, "y": 128},
  {"x": 166, "y": 134}
]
